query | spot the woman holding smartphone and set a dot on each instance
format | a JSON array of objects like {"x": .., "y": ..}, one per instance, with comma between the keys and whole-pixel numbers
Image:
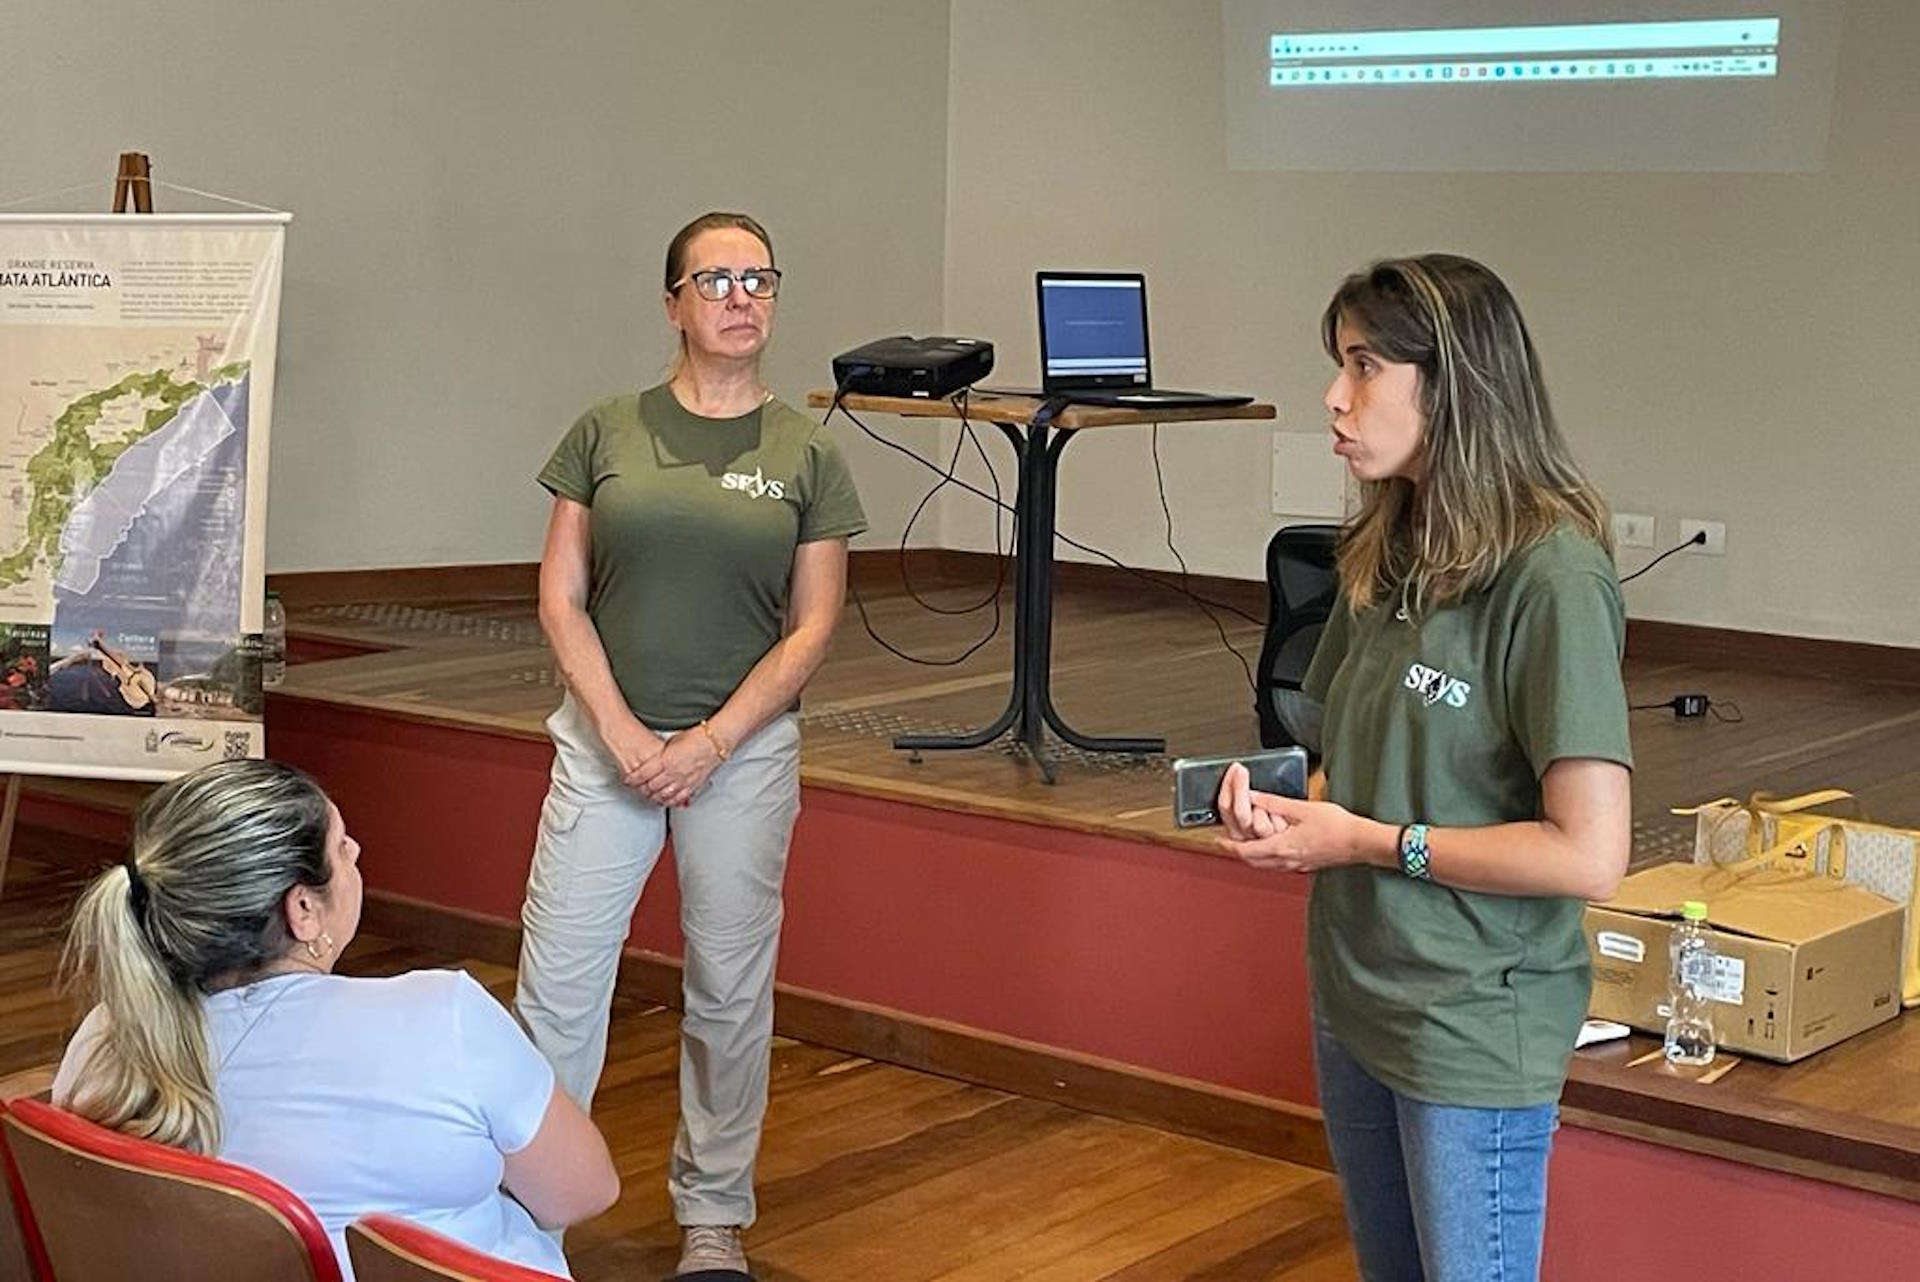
[{"x": 1476, "y": 774}]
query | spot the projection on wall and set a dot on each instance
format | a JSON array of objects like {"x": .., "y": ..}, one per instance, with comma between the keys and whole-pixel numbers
[{"x": 1422, "y": 86}]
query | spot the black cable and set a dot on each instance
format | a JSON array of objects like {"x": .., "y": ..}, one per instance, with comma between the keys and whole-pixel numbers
[
  {"x": 1690, "y": 706},
  {"x": 995, "y": 499},
  {"x": 1159, "y": 582},
  {"x": 1685, "y": 706},
  {"x": 947, "y": 477},
  {"x": 838, "y": 407},
  {"x": 1166, "y": 510},
  {"x": 999, "y": 551},
  {"x": 859, "y": 603},
  {"x": 1698, "y": 538}
]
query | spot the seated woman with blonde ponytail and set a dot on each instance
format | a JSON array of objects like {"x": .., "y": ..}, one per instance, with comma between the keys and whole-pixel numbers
[{"x": 218, "y": 1026}]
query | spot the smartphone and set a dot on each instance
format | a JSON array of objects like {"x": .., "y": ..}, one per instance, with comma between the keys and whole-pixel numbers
[{"x": 1196, "y": 781}]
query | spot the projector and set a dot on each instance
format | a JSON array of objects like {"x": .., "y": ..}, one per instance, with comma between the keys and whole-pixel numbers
[{"x": 933, "y": 368}]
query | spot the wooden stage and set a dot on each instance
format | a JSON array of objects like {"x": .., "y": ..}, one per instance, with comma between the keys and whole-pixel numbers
[
  {"x": 958, "y": 914},
  {"x": 1128, "y": 658}
]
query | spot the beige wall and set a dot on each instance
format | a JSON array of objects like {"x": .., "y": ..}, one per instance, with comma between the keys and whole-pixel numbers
[
  {"x": 1736, "y": 347},
  {"x": 482, "y": 191}
]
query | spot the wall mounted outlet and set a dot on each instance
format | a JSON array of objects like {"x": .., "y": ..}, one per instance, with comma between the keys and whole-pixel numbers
[
  {"x": 1716, "y": 532},
  {"x": 1632, "y": 530}
]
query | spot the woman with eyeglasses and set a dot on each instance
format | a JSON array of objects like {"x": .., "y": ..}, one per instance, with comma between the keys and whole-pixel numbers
[
  {"x": 694, "y": 571},
  {"x": 1476, "y": 789}
]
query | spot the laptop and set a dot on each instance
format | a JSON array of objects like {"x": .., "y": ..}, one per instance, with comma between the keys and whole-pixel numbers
[{"x": 1093, "y": 343}]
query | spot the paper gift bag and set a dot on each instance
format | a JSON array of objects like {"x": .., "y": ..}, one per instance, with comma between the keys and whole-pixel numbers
[{"x": 1803, "y": 833}]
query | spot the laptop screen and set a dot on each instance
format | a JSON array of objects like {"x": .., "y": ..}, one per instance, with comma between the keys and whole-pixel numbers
[{"x": 1093, "y": 330}]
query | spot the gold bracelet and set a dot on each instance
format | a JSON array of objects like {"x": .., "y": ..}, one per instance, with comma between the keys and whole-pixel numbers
[{"x": 718, "y": 750}]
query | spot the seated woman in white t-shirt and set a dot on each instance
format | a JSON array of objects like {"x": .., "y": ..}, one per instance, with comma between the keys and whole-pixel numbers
[{"x": 219, "y": 1028}]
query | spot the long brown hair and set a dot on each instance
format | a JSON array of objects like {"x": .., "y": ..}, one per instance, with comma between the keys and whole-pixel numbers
[
  {"x": 1498, "y": 474},
  {"x": 197, "y": 900},
  {"x": 714, "y": 220}
]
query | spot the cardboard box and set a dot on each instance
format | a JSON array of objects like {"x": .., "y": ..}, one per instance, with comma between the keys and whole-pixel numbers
[{"x": 1804, "y": 962}]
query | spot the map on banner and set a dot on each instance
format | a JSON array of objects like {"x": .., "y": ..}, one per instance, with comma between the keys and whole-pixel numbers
[{"x": 132, "y": 468}]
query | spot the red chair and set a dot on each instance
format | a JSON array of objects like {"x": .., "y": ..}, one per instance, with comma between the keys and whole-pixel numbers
[
  {"x": 22, "y": 1258},
  {"x": 386, "y": 1248},
  {"x": 108, "y": 1207}
]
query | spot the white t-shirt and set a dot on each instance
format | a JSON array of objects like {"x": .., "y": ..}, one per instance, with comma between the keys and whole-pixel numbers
[{"x": 398, "y": 1095}]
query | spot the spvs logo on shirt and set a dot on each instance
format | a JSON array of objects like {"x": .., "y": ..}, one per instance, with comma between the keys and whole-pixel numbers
[
  {"x": 1435, "y": 686},
  {"x": 755, "y": 486}
]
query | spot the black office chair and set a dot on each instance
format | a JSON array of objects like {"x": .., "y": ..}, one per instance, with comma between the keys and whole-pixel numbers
[{"x": 1302, "y": 590}]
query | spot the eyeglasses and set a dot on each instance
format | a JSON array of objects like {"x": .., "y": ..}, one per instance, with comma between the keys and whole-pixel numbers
[{"x": 716, "y": 283}]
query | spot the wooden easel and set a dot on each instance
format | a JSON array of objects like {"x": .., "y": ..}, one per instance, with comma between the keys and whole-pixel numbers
[
  {"x": 133, "y": 180},
  {"x": 7, "y": 811},
  {"x": 132, "y": 183}
]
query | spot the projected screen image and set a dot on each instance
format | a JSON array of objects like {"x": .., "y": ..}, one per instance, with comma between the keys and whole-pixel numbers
[
  {"x": 1514, "y": 56},
  {"x": 1417, "y": 85}
]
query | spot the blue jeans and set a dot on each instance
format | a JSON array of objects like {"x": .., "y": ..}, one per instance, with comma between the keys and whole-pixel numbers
[{"x": 1434, "y": 1192}]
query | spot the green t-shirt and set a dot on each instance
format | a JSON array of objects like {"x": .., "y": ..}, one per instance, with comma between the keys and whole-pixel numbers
[
  {"x": 1451, "y": 996},
  {"x": 694, "y": 524}
]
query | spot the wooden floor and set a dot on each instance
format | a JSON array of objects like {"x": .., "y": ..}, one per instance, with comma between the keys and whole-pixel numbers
[{"x": 868, "y": 1171}]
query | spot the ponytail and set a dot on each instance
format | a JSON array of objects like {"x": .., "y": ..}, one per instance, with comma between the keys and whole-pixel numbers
[
  {"x": 151, "y": 1073},
  {"x": 197, "y": 905}
]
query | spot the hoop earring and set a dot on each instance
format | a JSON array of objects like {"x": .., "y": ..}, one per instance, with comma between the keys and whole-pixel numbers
[{"x": 319, "y": 949}]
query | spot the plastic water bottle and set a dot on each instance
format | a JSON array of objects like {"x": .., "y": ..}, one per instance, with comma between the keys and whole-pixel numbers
[
  {"x": 273, "y": 643},
  {"x": 1690, "y": 1039}
]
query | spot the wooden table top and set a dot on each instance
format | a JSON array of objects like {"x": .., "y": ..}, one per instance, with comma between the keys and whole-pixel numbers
[
  {"x": 996, "y": 407},
  {"x": 1849, "y": 1114}
]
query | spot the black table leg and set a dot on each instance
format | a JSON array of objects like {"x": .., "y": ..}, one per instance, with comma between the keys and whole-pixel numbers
[
  {"x": 1022, "y": 559},
  {"x": 1030, "y": 711},
  {"x": 1040, "y": 676},
  {"x": 1033, "y": 641}
]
